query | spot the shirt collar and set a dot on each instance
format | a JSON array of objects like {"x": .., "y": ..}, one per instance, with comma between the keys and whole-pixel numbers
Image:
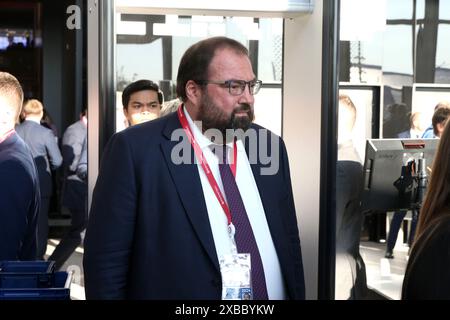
[
  {"x": 7, "y": 135},
  {"x": 33, "y": 120}
]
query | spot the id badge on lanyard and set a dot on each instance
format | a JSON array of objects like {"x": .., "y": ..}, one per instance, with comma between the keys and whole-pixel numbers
[
  {"x": 236, "y": 273},
  {"x": 235, "y": 268}
]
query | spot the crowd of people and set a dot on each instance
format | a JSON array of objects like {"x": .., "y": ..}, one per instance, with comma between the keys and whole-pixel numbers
[
  {"x": 53, "y": 158},
  {"x": 28, "y": 133}
]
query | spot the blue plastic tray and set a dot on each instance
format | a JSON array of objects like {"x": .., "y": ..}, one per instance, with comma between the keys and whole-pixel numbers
[
  {"x": 27, "y": 266},
  {"x": 26, "y": 274},
  {"x": 59, "y": 289}
]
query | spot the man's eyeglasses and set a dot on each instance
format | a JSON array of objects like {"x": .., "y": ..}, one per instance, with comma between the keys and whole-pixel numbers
[{"x": 236, "y": 87}]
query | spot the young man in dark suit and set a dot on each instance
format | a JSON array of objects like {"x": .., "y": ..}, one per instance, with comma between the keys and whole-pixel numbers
[
  {"x": 19, "y": 185},
  {"x": 161, "y": 225}
]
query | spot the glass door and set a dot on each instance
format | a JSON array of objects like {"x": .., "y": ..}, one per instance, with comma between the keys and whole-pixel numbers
[{"x": 150, "y": 46}]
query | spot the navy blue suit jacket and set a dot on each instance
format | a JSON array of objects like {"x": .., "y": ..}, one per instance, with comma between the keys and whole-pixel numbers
[
  {"x": 19, "y": 201},
  {"x": 149, "y": 235}
]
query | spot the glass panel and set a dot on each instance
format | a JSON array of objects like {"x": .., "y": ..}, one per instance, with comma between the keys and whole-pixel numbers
[
  {"x": 268, "y": 109},
  {"x": 399, "y": 9},
  {"x": 364, "y": 99},
  {"x": 387, "y": 59},
  {"x": 397, "y": 50},
  {"x": 420, "y": 9},
  {"x": 356, "y": 107},
  {"x": 366, "y": 58},
  {"x": 444, "y": 10},
  {"x": 270, "y": 50},
  {"x": 139, "y": 61},
  {"x": 360, "y": 20},
  {"x": 443, "y": 54},
  {"x": 152, "y": 47}
]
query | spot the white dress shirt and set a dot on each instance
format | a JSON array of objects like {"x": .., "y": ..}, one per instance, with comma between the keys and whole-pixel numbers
[{"x": 253, "y": 206}]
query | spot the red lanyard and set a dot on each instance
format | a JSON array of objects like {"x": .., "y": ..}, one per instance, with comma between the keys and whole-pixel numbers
[
  {"x": 7, "y": 135},
  {"x": 200, "y": 157}
]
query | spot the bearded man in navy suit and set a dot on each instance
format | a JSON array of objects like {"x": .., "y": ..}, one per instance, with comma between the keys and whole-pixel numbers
[{"x": 157, "y": 228}]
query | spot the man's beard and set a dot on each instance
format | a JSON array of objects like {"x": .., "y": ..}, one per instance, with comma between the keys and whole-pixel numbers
[{"x": 213, "y": 117}]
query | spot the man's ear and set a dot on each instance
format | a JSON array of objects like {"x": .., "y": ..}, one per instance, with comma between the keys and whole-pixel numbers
[
  {"x": 125, "y": 113},
  {"x": 193, "y": 92}
]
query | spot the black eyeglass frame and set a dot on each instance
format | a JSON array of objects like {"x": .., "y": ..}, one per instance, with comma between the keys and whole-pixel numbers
[{"x": 233, "y": 84}]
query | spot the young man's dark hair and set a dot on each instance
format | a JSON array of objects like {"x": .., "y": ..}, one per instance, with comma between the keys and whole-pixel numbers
[{"x": 140, "y": 85}]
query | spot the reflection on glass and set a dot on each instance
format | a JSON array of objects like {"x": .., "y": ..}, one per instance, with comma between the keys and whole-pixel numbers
[
  {"x": 420, "y": 9},
  {"x": 363, "y": 99},
  {"x": 426, "y": 97},
  {"x": 444, "y": 10},
  {"x": 360, "y": 20},
  {"x": 399, "y": 9},
  {"x": 443, "y": 54},
  {"x": 388, "y": 59},
  {"x": 350, "y": 267},
  {"x": 139, "y": 61},
  {"x": 156, "y": 55},
  {"x": 397, "y": 50}
]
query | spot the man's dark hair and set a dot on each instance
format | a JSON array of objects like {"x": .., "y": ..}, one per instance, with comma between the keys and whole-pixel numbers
[
  {"x": 440, "y": 116},
  {"x": 140, "y": 85},
  {"x": 196, "y": 60}
]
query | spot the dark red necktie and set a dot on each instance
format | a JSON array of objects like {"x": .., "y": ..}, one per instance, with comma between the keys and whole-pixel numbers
[{"x": 244, "y": 237}]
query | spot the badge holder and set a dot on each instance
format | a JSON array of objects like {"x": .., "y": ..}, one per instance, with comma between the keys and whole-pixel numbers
[{"x": 235, "y": 269}]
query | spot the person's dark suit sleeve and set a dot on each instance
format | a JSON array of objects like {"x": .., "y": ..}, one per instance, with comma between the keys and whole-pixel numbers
[
  {"x": 16, "y": 195},
  {"x": 109, "y": 235},
  {"x": 293, "y": 228}
]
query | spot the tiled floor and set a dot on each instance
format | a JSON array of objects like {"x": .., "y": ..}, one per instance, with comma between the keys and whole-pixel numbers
[
  {"x": 385, "y": 276},
  {"x": 75, "y": 264}
]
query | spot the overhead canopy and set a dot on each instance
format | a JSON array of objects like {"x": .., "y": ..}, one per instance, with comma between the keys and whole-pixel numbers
[{"x": 254, "y": 8}]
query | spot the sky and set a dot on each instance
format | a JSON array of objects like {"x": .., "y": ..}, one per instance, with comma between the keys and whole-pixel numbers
[
  {"x": 392, "y": 47},
  {"x": 387, "y": 45}
]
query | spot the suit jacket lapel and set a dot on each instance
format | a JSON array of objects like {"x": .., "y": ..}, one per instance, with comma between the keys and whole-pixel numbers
[{"x": 187, "y": 182}]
